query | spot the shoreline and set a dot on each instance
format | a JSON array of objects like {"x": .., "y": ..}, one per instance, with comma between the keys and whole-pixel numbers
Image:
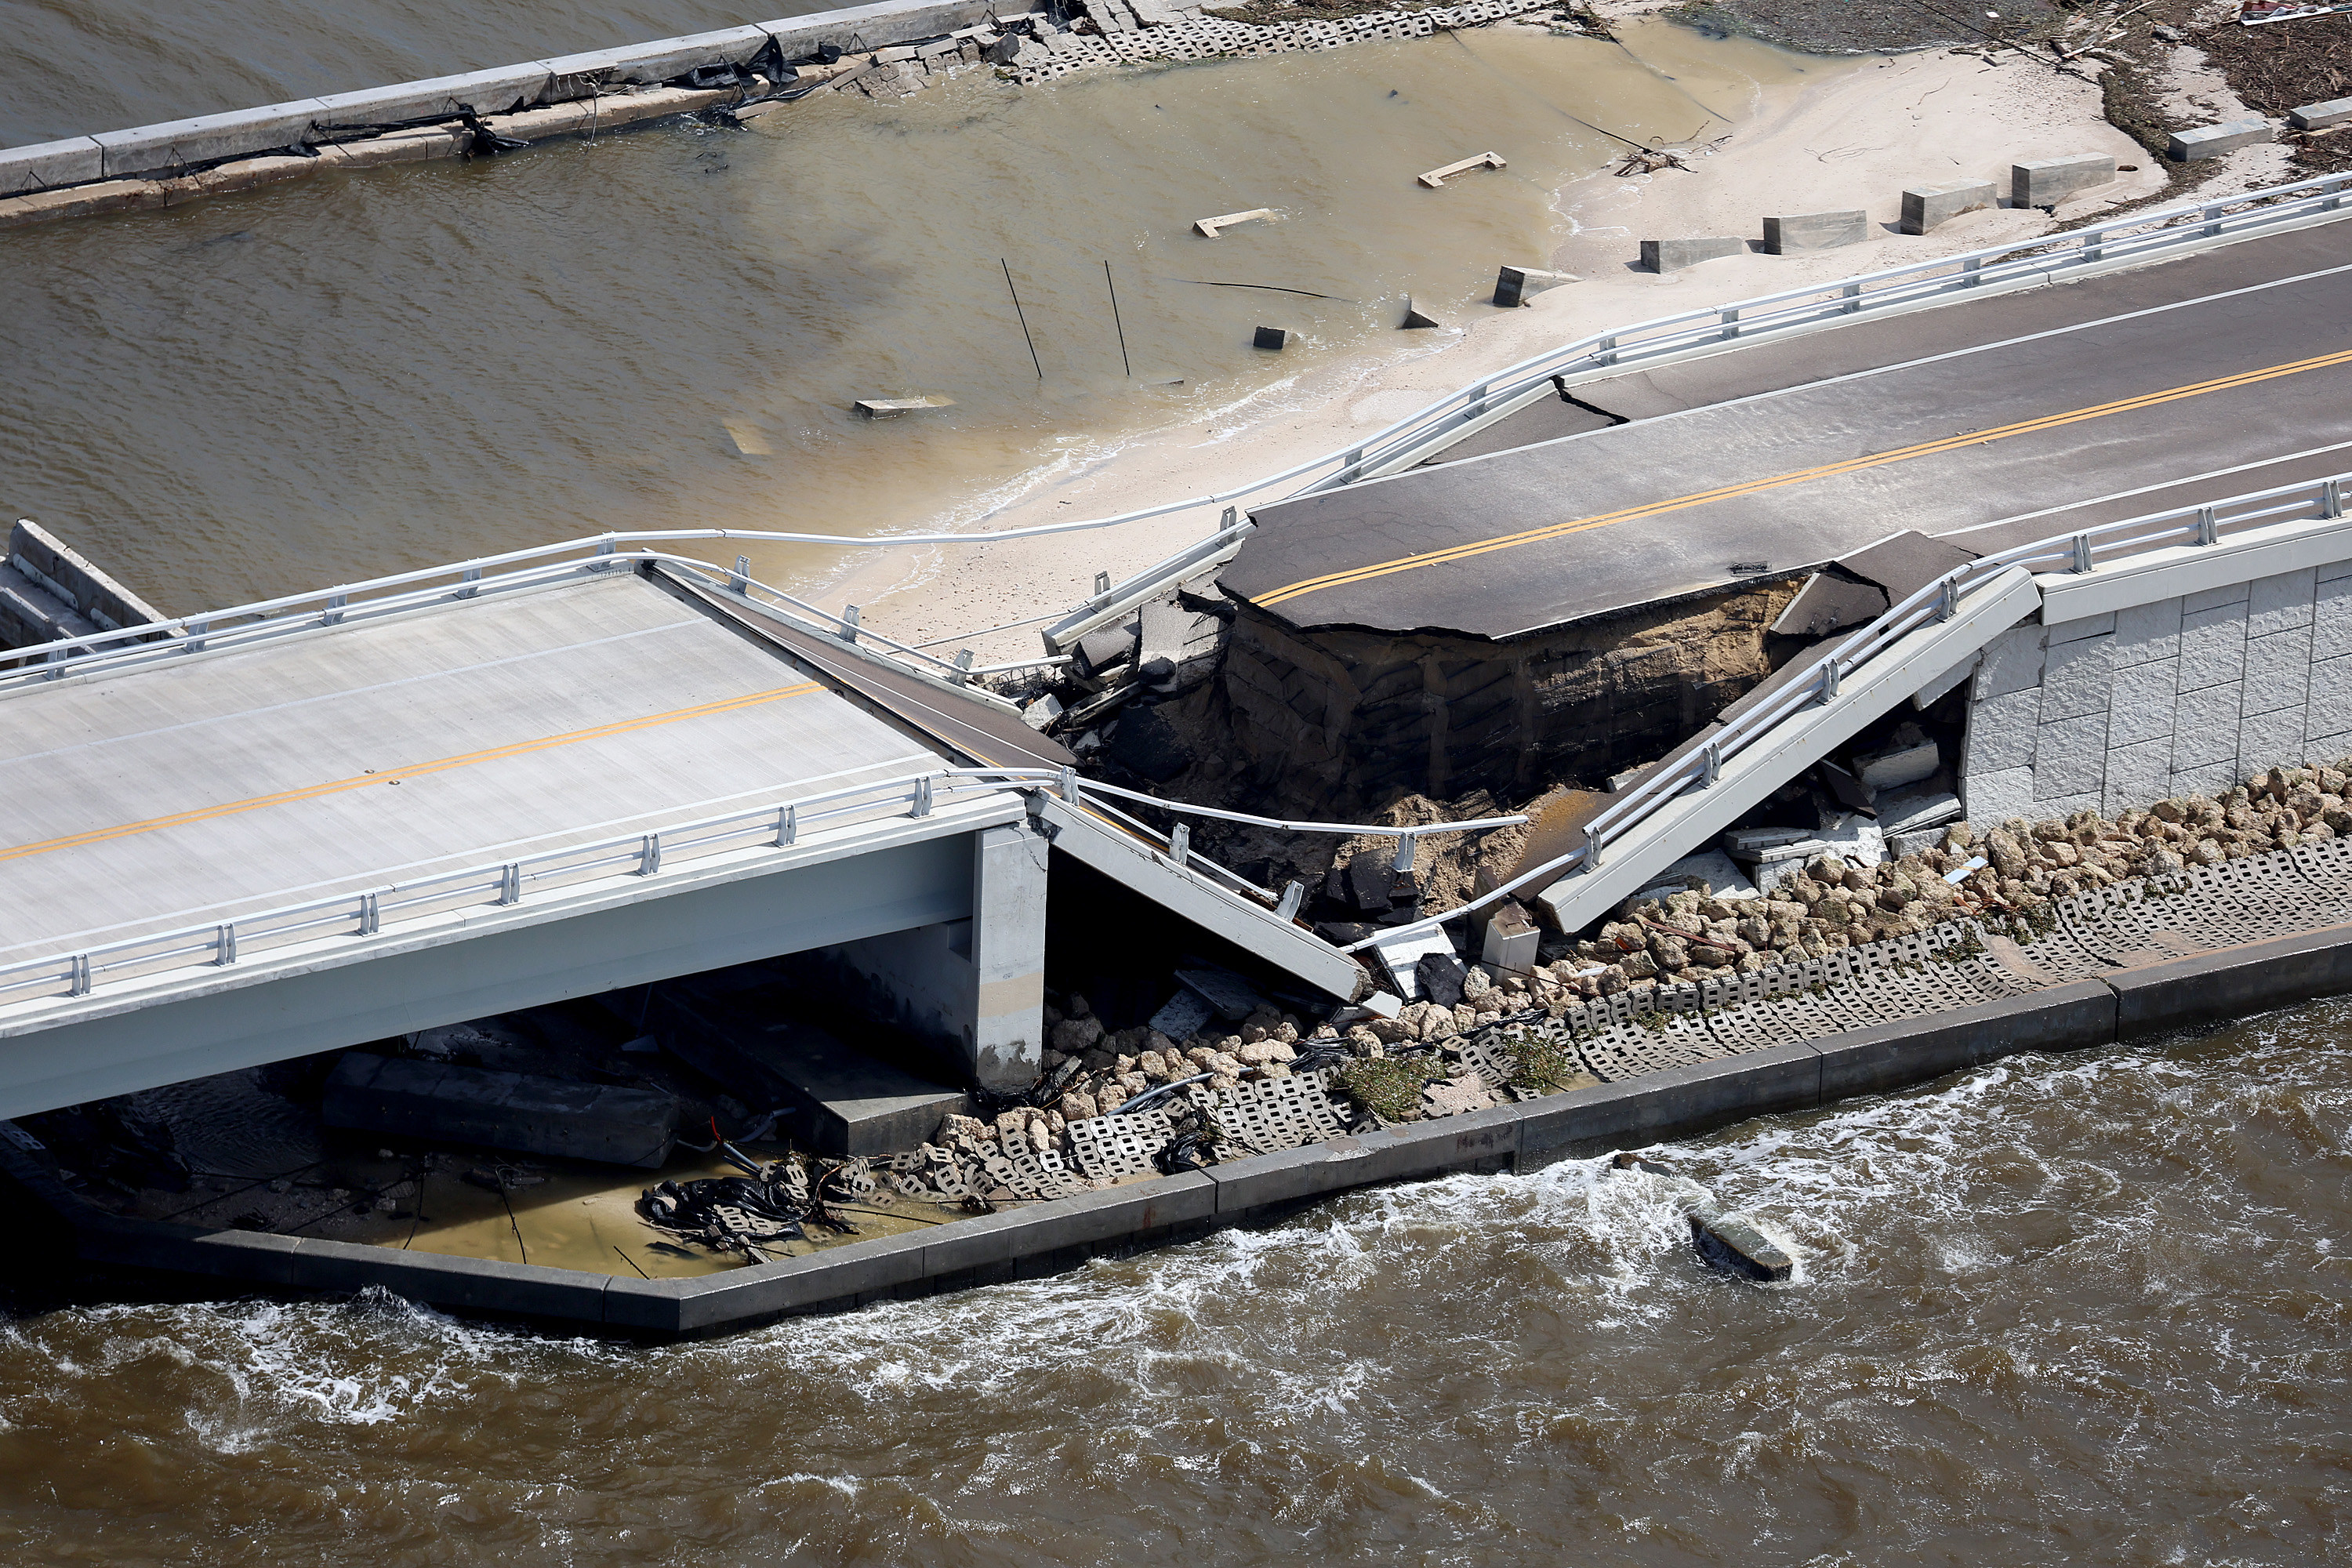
[{"x": 1843, "y": 137}]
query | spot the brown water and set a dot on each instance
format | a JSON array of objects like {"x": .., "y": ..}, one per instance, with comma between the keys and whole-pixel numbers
[
  {"x": 2090, "y": 1309},
  {"x": 359, "y": 373}
]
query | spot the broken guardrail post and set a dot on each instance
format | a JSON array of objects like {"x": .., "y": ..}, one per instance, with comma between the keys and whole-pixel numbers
[
  {"x": 740, "y": 580},
  {"x": 1179, "y": 845},
  {"x": 1403, "y": 862},
  {"x": 961, "y": 676},
  {"x": 1294, "y": 894},
  {"x": 849, "y": 622},
  {"x": 788, "y": 825},
  {"x": 1069, "y": 786}
]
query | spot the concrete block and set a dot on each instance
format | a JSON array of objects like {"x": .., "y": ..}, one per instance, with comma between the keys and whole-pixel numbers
[
  {"x": 1910, "y": 1050},
  {"x": 1998, "y": 796},
  {"x": 2205, "y": 778},
  {"x": 2047, "y": 807},
  {"x": 2140, "y": 702},
  {"x": 2278, "y": 669},
  {"x": 2213, "y": 646},
  {"x": 645, "y": 1306},
  {"x": 2278, "y": 603},
  {"x": 206, "y": 138},
  {"x": 1415, "y": 317},
  {"x": 1085, "y": 1221},
  {"x": 1673, "y": 1103},
  {"x": 1514, "y": 285},
  {"x": 2270, "y": 740},
  {"x": 2070, "y": 756},
  {"x": 2213, "y": 986},
  {"x": 1898, "y": 766},
  {"x": 1512, "y": 938},
  {"x": 1274, "y": 339},
  {"x": 2216, "y": 141},
  {"x": 72, "y": 162},
  {"x": 2079, "y": 630},
  {"x": 2205, "y": 599},
  {"x": 1913, "y": 811},
  {"x": 666, "y": 59},
  {"x": 1798, "y": 232},
  {"x": 2075, "y": 677},
  {"x": 1925, "y": 206},
  {"x": 1437, "y": 177},
  {"x": 1210, "y": 227},
  {"x": 2205, "y": 726},
  {"x": 2328, "y": 700},
  {"x": 2137, "y": 775},
  {"x": 1673, "y": 254},
  {"x": 2046, "y": 182},
  {"x": 444, "y": 97},
  {"x": 2320, "y": 116},
  {"x": 2331, "y": 631},
  {"x": 2011, "y": 662},
  {"x": 503, "y": 1109},
  {"x": 2000, "y": 732},
  {"x": 2145, "y": 632}
]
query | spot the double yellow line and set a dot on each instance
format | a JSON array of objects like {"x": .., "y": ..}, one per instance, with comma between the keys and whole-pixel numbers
[
  {"x": 415, "y": 770},
  {"x": 1798, "y": 477}
]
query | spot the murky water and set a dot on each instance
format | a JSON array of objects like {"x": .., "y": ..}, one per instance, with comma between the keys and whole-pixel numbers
[
  {"x": 2092, "y": 1310},
  {"x": 359, "y": 373}
]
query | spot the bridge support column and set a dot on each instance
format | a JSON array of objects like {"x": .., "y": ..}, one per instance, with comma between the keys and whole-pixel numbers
[{"x": 974, "y": 987}]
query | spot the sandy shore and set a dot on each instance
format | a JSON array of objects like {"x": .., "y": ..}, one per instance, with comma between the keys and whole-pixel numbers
[{"x": 1851, "y": 133}]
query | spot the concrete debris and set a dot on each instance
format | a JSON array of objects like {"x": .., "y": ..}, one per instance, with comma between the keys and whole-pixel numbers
[
  {"x": 1229, "y": 996},
  {"x": 1437, "y": 177},
  {"x": 1733, "y": 1243},
  {"x": 1274, "y": 339},
  {"x": 891, "y": 407},
  {"x": 1514, "y": 286},
  {"x": 1928, "y": 207},
  {"x": 1673, "y": 254},
  {"x": 1037, "y": 715},
  {"x": 1415, "y": 317},
  {"x": 1209, "y": 227},
  {"x": 1440, "y": 977}
]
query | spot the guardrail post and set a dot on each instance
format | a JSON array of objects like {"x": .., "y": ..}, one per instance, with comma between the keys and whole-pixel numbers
[
  {"x": 849, "y": 622},
  {"x": 1853, "y": 298},
  {"x": 1710, "y": 763},
  {"x": 78, "y": 976},
  {"x": 788, "y": 825},
  {"x": 650, "y": 857},
  {"x": 2212, "y": 211},
  {"x": 1354, "y": 461},
  {"x": 1069, "y": 786},
  {"x": 739, "y": 579},
  {"x": 370, "y": 918},
  {"x": 921, "y": 804},
  {"x": 194, "y": 641},
  {"x": 468, "y": 582},
  {"x": 1477, "y": 406},
  {"x": 1405, "y": 841},
  {"x": 1830, "y": 680},
  {"x": 2082, "y": 552},
  {"x": 604, "y": 548},
  {"x": 333, "y": 613},
  {"x": 1972, "y": 272},
  {"x": 1293, "y": 895},
  {"x": 1948, "y": 599},
  {"x": 962, "y": 674},
  {"x": 1729, "y": 315},
  {"x": 2331, "y": 498},
  {"x": 510, "y": 882},
  {"x": 1179, "y": 845},
  {"x": 1592, "y": 850},
  {"x": 223, "y": 944},
  {"x": 2208, "y": 526}
]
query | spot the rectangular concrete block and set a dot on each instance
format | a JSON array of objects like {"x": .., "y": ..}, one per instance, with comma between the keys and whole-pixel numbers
[
  {"x": 2011, "y": 662},
  {"x": 2079, "y": 630},
  {"x": 2270, "y": 740},
  {"x": 1798, "y": 232},
  {"x": 152, "y": 149},
  {"x": 44, "y": 164},
  {"x": 2205, "y": 726},
  {"x": 2328, "y": 700},
  {"x": 1673, "y": 254},
  {"x": 2231, "y": 983},
  {"x": 1087, "y": 1220},
  {"x": 503, "y": 1109},
  {"x": 1997, "y": 796},
  {"x": 1889, "y": 1056},
  {"x": 2070, "y": 756},
  {"x": 2046, "y": 182},
  {"x": 1514, "y": 286},
  {"x": 2000, "y": 732},
  {"x": 1670, "y": 1104},
  {"x": 2211, "y": 778},
  {"x": 437, "y": 98},
  {"x": 1925, "y": 207},
  {"x": 2278, "y": 669},
  {"x": 2331, "y": 630},
  {"x": 2075, "y": 677},
  {"x": 2140, "y": 702},
  {"x": 2213, "y": 646},
  {"x": 665, "y": 58},
  {"x": 2137, "y": 775},
  {"x": 2216, "y": 141},
  {"x": 2061, "y": 806},
  {"x": 2205, "y": 599},
  {"x": 2320, "y": 116},
  {"x": 2278, "y": 603},
  {"x": 2149, "y": 631}
]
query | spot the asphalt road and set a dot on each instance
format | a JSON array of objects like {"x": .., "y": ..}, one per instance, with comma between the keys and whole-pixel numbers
[{"x": 1990, "y": 422}]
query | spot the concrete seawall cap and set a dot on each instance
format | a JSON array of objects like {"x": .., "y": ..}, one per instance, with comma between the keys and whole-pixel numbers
[
  {"x": 891, "y": 22},
  {"x": 46, "y": 163},
  {"x": 176, "y": 144},
  {"x": 487, "y": 91},
  {"x": 647, "y": 64}
]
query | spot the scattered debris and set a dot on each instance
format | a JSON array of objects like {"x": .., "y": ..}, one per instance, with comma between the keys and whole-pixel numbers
[
  {"x": 1209, "y": 227},
  {"x": 891, "y": 407},
  {"x": 1437, "y": 177}
]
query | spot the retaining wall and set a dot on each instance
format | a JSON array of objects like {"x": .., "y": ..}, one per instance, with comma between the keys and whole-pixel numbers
[{"x": 1049, "y": 1238}]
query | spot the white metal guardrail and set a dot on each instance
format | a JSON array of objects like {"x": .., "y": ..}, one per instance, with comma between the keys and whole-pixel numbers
[
  {"x": 2079, "y": 552},
  {"x": 2175, "y": 229}
]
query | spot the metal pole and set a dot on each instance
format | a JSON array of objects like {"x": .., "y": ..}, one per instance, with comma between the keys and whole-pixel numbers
[
  {"x": 1022, "y": 316},
  {"x": 1114, "y": 319}
]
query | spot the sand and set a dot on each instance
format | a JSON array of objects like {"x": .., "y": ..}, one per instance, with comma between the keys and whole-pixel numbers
[{"x": 1851, "y": 133}]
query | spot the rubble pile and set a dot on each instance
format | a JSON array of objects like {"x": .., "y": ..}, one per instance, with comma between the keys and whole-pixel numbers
[{"x": 2013, "y": 868}]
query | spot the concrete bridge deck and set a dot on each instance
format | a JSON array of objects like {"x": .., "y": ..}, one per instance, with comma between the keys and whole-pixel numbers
[{"x": 2095, "y": 398}]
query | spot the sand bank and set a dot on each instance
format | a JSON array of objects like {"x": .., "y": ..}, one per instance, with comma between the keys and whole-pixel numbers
[{"x": 1849, "y": 133}]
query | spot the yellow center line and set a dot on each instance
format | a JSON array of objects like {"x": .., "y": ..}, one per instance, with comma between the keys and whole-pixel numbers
[
  {"x": 1798, "y": 477},
  {"x": 414, "y": 770}
]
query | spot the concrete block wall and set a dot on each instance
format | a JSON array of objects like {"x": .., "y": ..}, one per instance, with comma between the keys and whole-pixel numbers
[{"x": 2181, "y": 696}]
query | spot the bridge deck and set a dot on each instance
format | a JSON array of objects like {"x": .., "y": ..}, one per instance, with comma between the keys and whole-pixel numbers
[
  {"x": 2237, "y": 361},
  {"x": 432, "y": 741}
]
